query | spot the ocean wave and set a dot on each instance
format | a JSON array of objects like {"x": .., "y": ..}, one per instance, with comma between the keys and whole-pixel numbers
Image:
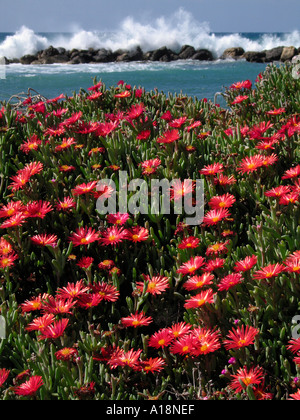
[{"x": 173, "y": 31}]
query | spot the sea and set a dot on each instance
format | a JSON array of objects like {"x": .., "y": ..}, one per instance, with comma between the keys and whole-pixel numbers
[{"x": 187, "y": 77}]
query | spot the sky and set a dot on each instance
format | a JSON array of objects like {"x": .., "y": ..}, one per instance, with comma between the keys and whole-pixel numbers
[{"x": 221, "y": 15}]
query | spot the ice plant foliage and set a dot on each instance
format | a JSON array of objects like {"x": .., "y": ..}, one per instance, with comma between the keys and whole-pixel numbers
[{"x": 133, "y": 305}]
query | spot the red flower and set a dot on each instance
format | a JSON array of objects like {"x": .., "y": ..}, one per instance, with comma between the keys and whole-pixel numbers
[
  {"x": 136, "y": 320},
  {"x": 161, "y": 339},
  {"x": 167, "y": 116},
  {"x": 198, "y": 282},
  {"x": 155, "y": 285},
  {"x": 72, "y": 120},
  {"x": 239, "y": 99},
  {"x": 106, "y": 265},
  {"x": 44, "y": 240},
  {"x": 66, "y": 204},
  {"x": 136, "y": 111},
  {"x": 8, "y": 260},
  {"x": 106, "y": 291},
  {"x": 153, "y": 365},
  {"x": 245, "y": 378},
  {"x": 213, "y": 217},
  {"x": 294, "y": 345},
  {"x": 169, "y": 137},
  {"x": 11, "y": 209},
  {"x": 251, "y": 164},
  {"x": 94, "y": 96},
  {"x": 223, "y": 201},
  {"x": 66, "y": 144},
  {"x": 208, "y": 341},
  {"x": 277, "y": 192},
  {"x": 290, "y": 198},
  {"x": 143, "y": 135},
  {"x": 193, "y": 125},
  {"x": 89, "y": 300},
  {"x": 191, "y": 266},
  {"x": 230, "y": 281},
  {"x": 73, "y": 290},
  {"x": 38, "y": 209},
  {"x": 206, "y": 296},
  {"x": 118, "y": 218},
  {"x": 113, "y": 236},
  {"x": 189, "y": 243},
  {"x": 4, "y": 373},
  {"x": 246, "y": 264},
  {"x": 180, "y": 329},
  {"x": 84, "y": 236},
  {"x": 85, "y": 262},
  {"x": 34, "y": 304},
  {"x": 58, "y": 305},
  {"x": 184, "y": 346},
  {"x": 150, "y": 166},
  {"x": 296, "y": 395},
  {"x": 55, "y": 330},
  {"x": 293, "y": 265},
  {"x": 268, "y": 272},
  {"x": 214, "y": 264},
  {"x": 137, "y": 234},
  {"x": 224, "y": 180},
  {"x": 84, "y": 188},
  {"x": 39, "y": 324},
  {"x": 31, "y": 144},
  {"x": 177, "y": 123},
  {"x": 278, "y": 111},
  {"x": 247, "y": 84},
  {"x": 30, "y": 387},
  {"x": 124, "y": 94},
  {"x": 217, "y": 248},
  {"x": 213, "y": 169},
  {"x": 241, "y": 337},
  {"x": 122, "y": 359},
  {"x": 66, "y": 354}
]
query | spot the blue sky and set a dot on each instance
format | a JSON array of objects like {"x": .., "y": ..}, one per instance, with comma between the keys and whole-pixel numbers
[{"x": 222, "y": 15}]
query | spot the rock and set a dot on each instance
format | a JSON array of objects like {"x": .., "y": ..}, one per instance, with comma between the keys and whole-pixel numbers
[
  {"x": 234, "y": 53},
  {"x": 136, "y": 54},
  {"x": 28, "y": 59},
  {"x": 103, "y": 56},
  {"x": 273, "y": 55},
  {"x": 186, "y": 52},
  {"x": 49, "y": 52},
  {"x": 162, "y": 54},
  {"x": 255, "y": 56},
  {"x": 133, "y": 55},
  {"x": 203, "y": 55},
  {"x": 288, "y": 53}
]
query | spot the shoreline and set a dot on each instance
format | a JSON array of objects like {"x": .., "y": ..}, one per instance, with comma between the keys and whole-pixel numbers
[{"x": 53, "y": 55}]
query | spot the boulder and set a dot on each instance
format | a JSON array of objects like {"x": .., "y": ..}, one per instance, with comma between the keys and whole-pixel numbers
[
  {"x": 255, "y": 56},
  {"x": 203, "y": 55},
  {"x": 273, "y": 55},
  {"x": 28, "y": 59},
  {"x": 104, "y": 56},
  {"x": 288, "y": 53},
  {"x": 133, "y": 55},
  {"x": 234, "y": 53},
  {"x": 161, "y": 54},
  {"x": 186, "y": 52},
  {"x": 49, "y": 52}
]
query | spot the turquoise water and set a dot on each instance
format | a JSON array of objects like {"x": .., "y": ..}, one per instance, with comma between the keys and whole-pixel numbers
[
  {"x": 197, "y": 79},
  {"x": 201, "y": 80}
]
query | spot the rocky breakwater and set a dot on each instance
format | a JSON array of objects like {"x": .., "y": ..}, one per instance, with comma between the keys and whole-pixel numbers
[{"x": 53, "y": 55}]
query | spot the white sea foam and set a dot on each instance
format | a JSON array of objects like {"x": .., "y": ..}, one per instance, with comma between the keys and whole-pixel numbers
[{"x": 173, "y": 31}]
